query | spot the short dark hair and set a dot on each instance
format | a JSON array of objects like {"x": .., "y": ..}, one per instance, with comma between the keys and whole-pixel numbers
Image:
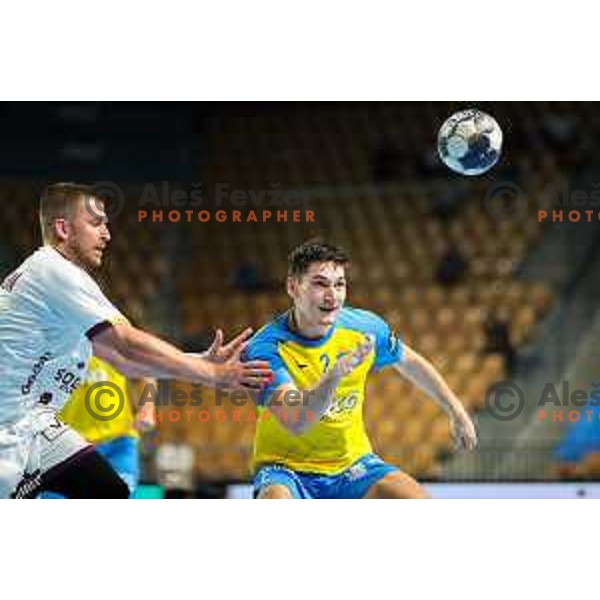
[
  {"x": 57, "y": 201},
  {"x": 315, "y": 251}
]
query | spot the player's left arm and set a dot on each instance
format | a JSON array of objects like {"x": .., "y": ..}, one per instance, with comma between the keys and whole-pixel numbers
[{"x": 425, "y": 376}]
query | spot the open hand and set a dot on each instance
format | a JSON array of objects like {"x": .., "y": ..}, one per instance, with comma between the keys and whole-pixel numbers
[
  {"x": 250, "y": 375},
  {"x": 347, "y": 363},
  {"x": 219, "y": 353}
]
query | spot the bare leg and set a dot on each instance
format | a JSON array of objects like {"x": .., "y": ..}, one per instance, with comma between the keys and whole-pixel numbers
[
  {"x": 396, "y": 485},
  {"x": 275, "y": 492}
]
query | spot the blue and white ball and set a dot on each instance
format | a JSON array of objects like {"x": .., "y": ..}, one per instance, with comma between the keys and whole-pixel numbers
[{"x": 470, "y": 142}]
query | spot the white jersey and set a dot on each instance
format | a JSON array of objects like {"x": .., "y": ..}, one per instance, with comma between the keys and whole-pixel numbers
[{"x": 47, "y": 305}]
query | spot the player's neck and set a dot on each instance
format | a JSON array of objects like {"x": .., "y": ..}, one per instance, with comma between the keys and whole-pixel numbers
[
  {"x": 61, "y": 250},
  {"x": 70, "y": 256},
  {"x": 306, "y": 329}
]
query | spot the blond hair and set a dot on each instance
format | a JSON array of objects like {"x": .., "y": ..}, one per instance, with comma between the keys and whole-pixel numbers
[{"x": 58, "y": 201}]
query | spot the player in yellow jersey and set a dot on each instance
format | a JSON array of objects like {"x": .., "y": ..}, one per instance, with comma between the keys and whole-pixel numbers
[
  {"x": 115, "y": 432},
  {"x": 321, "y": 353}
]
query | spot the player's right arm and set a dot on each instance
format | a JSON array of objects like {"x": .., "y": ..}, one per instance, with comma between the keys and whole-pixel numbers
[
  {"x": 137, "y": 353},
  {"x": 75, "y": 301},
  {"x": 298, "y": 410}
]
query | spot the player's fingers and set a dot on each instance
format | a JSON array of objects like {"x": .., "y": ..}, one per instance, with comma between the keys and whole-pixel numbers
[
  {"x": 347, "y": 363},
  {"x": 474, "y": 442},
  {"x": 254, "y": 381},
  {"x": 360, "y": 354},
  {"x": 459, "y": 438},
  {"x": 262, "y": 365},
  {"x": 257, "y": 376},
  {"x": 237, "y": 352},
  {"x": 470, "y": 436},
  {"x": 251, "y": 387},
  {"x": 369, "y": 342},
  {"x": 364, "y": 354},
  {"x": 238, "y": 340},
  {"x": 264, "y": 373},
  {"x": 217, "y": 341},
  {"x": 365, "y": 348},
  {"x": 471, "y": 442}
]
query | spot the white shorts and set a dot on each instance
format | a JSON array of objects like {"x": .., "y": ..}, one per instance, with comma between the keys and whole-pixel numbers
[{"x": 31, "y": 447}]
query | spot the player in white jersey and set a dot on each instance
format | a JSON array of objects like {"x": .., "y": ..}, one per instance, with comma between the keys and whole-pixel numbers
[{"x": 52, "y": 316}]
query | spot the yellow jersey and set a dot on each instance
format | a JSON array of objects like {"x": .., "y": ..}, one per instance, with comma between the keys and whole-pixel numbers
[
  {"x": 339, "y": 438},
  {"x": 87, "y": 416}
]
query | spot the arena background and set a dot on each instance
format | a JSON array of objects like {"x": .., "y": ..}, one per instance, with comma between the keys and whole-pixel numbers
[{"x": 463, "y": 268}]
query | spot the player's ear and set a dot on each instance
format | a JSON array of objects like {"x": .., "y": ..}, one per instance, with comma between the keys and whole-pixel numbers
[
  {"x": 292, "y": 286},
  {"x": 61, "y": 228}
]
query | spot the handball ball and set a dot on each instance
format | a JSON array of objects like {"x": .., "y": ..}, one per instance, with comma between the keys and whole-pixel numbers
[{"x": 470, "y": 142}]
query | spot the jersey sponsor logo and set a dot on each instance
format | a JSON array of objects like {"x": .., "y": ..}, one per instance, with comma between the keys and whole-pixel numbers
[
  {"x": 67, "y": 381},
  {"x": 9, "y": 282},
  {"x": 341, "y": 406},
  {"x": 355, "y": 472},
  {"x": 300, "y": 365},
  {"x": 36, "y": 369}
]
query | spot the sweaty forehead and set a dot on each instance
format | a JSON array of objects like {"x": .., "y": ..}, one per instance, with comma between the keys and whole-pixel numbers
[{"x": 327, "y": 270}]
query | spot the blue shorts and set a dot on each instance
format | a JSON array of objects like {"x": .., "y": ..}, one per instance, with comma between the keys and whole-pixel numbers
[
  {"x": 352, "y": 483},
  {"x": 123, "y": 456}
]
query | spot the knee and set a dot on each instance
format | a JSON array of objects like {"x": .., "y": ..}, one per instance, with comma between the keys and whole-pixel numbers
[
  {"x": 275, "y": 492},
  {"x": 397, "y": 485}
]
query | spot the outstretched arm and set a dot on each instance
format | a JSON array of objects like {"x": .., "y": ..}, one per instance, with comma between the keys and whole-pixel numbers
[
  {"x": 137, "y": 353},
  {"x": 298, "y": 410},
  {"x": 425, "y": 376}
]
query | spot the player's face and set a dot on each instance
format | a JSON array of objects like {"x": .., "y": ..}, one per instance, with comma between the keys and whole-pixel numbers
[
  {"x": 88, "y": 234},
  {"x": 318, "y": 295}
]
